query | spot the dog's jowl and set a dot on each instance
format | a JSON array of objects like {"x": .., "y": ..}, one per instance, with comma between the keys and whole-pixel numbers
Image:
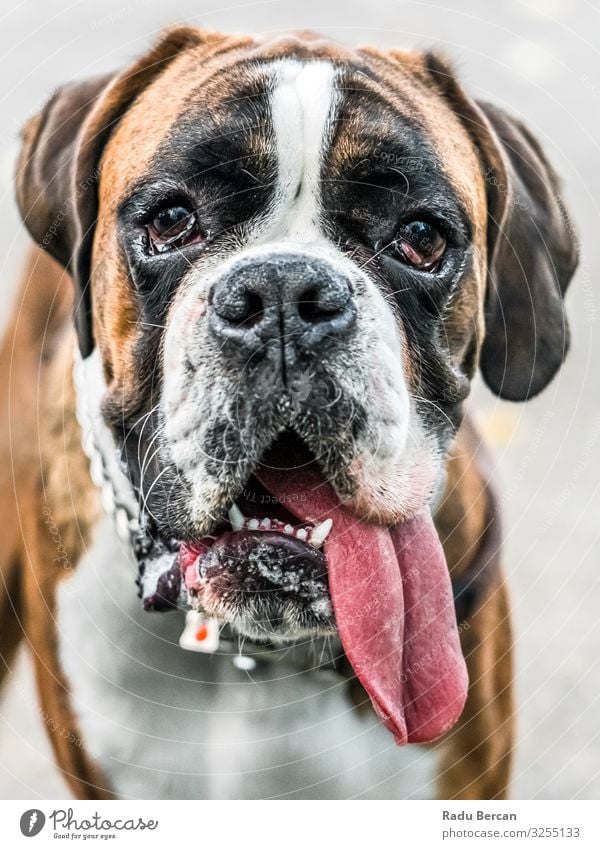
[{"x": 286, "y": 262}]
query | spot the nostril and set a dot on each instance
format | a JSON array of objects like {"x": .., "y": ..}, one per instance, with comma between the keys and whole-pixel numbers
[
  {"x": 239, "y": 306},
  {"x": 252, "y": 313},
  {"x": 312, "y": 309},
  {"x": 323, "y": 304}
]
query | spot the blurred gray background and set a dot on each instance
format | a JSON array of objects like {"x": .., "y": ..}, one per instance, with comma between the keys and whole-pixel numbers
[{"x": 538, "y": 58}]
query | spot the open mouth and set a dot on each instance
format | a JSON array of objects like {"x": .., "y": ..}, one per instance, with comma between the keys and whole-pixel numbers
[
  {"x": 263, "y": 567},
  {"x": 292, "y": 560}
]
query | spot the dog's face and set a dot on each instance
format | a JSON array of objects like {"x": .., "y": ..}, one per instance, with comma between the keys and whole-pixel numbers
[{"x": 289, "y": 269}]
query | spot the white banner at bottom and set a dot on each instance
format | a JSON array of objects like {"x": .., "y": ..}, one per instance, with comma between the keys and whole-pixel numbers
[{"x": 301, "y": 824}]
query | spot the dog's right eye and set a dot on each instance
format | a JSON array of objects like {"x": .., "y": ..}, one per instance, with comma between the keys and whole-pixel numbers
[{"x": 173, "y": 227}]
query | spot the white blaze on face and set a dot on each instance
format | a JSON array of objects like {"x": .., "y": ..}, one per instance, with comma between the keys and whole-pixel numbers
[{"x": 303, "y": 108}]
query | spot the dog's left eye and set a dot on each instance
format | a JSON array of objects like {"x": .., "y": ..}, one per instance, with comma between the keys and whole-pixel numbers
[
  {"x": 420, "y": 244},
  {"x": 173, "y": 227}
]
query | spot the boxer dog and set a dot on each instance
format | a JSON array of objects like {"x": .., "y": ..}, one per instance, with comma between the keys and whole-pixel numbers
[{"x": 286, "y": 260}]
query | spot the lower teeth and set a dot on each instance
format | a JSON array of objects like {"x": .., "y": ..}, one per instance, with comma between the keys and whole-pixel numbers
[{"x": 315, "y": 535}]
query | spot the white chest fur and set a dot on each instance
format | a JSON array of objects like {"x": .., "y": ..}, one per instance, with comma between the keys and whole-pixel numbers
[{"x": 166, "y": 723}]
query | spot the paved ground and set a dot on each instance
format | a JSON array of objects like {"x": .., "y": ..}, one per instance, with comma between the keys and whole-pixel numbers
[{"x": 539, "y": 58}]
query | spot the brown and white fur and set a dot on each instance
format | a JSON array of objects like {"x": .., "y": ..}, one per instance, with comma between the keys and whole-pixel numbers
[{"x": 132, "y": 714}]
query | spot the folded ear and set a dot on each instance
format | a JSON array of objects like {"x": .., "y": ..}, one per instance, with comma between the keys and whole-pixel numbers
[
  {"x": 532, "y": 260},
  {"x": 58, "y": 167},
  {"x": 532, "y": 250}
]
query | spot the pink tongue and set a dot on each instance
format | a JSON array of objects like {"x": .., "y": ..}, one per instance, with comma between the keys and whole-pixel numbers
[{"x": 393, "y": 604}]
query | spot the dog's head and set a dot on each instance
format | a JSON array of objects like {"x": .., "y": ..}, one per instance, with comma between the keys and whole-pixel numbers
[{"x": 290, "y": 254}]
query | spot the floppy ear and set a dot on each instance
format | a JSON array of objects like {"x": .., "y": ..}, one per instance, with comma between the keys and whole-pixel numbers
[
  {"x": 58, "y": 167},
  {"x": 532, "y": 250}
]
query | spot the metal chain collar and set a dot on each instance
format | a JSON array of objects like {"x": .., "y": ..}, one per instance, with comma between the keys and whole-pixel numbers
[{"x": 116, "y": 493}]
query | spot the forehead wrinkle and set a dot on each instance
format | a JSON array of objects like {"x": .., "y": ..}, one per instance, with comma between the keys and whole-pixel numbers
[
  {"x": 371, "y": 114},
  {"x": 202, "y": 145},
  {"x": 402, "y": 88},
  {"x": 196, "y": 77}
]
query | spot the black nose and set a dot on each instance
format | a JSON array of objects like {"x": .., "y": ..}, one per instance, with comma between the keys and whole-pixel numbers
[{"x": 291, "y": 300}]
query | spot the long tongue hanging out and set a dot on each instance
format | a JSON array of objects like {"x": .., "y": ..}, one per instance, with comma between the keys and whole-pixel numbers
[{"x": 393, "y": 604}]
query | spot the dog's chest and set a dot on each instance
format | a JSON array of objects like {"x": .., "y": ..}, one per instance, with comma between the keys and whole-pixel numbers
[{"x": 167, "y": 723}]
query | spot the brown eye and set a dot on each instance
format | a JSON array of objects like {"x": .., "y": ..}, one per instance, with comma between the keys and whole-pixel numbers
[
  {"x": 173, "y": 227},
  {"x": 420, "y": 244}
]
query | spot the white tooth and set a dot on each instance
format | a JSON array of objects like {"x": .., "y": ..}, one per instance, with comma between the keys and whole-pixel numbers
[
  {"x": 288, "y": 529},
  {"x": 236, "y": 518},
  {"x": 302, "y": 534},
  {"x": 253, "y": 524},
  {"x": 320, "y": 533},
  {"x": 266, "y": 524}
]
